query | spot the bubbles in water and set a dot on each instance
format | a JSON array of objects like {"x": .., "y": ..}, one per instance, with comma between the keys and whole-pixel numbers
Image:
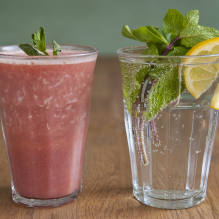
[
  {"x": 182, "y": 125},
  {"x": 155, "y": 151},
  {"x": 161, "y": 152},
  {"x": 197, "y": 152},
  {"x": 174, "y": 115},
  {"x": 161, "y": 127}
]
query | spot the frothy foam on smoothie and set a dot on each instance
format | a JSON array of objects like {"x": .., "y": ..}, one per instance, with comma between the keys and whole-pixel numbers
[{"x": 65, "y": 57}]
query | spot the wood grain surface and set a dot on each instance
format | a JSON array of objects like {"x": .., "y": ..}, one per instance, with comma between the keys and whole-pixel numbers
[{"x": 107, "y": 185}]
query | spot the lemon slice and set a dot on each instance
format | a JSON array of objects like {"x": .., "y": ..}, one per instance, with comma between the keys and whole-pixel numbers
[
  {"x": 215, "y": 99},
  {"x": 199, "y": 78}
]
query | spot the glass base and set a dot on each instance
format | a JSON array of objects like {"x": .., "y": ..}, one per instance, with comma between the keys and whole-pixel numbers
[
  {"x": 156, "y": 199},
  {"x": 44, "y": 203}
]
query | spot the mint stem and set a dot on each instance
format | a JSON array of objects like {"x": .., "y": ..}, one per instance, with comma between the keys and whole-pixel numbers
[
  {"x": 170, "y": 46},
  {"x": 138, "y": 128}
]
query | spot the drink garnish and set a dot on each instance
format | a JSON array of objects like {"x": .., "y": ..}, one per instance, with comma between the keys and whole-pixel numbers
[
  {"x": 150, "y": 87},
  {"x": 177, "y": 36},
  {"x": 199, "y": 79},
  {"x": 39, "y": 45}
]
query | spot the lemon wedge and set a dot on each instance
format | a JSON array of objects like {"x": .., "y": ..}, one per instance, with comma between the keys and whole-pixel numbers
[
  {"x": 215, "y": 99},
  {"x": 199, "y": 78}
]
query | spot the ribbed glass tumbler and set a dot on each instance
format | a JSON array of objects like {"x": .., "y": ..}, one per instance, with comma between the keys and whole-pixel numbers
[{"x": 170, "y": 133}]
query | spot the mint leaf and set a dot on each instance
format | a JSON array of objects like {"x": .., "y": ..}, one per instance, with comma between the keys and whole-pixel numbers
[
  {"x": 151, "y": 50},
  {"x": 126, "y": 32},
  {"x": 192, "y": 18},
  {"x": 155, "y": 35},
  {"x": 133, "y": 75},
  {"x": 144, "y": 34},
  {"x": 39, "y": 43},
  {"x": 39, "y": 40},
  {"x": 158, "y": 70},
  {"x": 178, "y": 51},
  {"x": 56, "y": 47},
  {"x": 160, "y": 47},
  {"x": 29, "y": 50},
  {"x": 165, "y": 90},
  {"x": 174, "y": 22},
  {"x": 192, "y": 35}
]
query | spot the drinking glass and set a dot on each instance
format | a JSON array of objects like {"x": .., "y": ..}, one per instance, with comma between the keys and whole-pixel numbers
[
  {"x": 170, "y": 150},
  {"x": 44, "y": 108}
]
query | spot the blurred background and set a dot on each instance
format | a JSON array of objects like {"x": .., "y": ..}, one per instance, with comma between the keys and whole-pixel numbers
[{"x": 95, "y": 23}]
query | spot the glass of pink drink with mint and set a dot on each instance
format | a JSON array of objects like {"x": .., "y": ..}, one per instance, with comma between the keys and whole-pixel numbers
[{"x": 44, "y": 106}]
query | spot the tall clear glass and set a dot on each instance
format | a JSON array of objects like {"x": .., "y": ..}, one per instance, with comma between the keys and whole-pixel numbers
[
  {"x": 44, "y": 106},
  {"x": 170, "y": 149}
]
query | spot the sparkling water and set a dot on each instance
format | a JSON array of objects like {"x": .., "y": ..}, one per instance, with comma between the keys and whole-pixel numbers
[{"x": 178, "y": 144}]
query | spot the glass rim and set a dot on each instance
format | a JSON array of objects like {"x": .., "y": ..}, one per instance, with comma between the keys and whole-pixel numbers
[
  {"x": 82, "y": 51},
  {"x": 125, "y": 52}
]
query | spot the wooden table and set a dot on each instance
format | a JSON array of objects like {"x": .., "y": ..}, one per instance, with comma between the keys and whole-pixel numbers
[{"x": 107, "y": 185}]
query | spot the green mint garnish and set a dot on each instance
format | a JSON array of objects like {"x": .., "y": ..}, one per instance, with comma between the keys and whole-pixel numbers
[
  {"x": 151, "y": 50},
  {"x": 56, "y": 48},
  {"x": 39, "y": 44},
  {"x": 158, "y": 70},
  {"x": 131, "y": 88},
  {"x": 149, "y": 88},
  {"x": 29, "y": 50},
  {"x": 174, "y": 22},
  {"x": 192, "y": 35},
  {"x": 192, "y": 18},
  {"x": 177, "y": 36},
  {"x": 39, "y": 40},
  {"x": 178, "y": 51},
  {"x": 165, "y": 90},
  {"x": 145, "y": 34}
]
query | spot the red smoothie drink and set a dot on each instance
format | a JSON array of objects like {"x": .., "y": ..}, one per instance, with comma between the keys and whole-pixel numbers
[{"x": 45, "y": 105}]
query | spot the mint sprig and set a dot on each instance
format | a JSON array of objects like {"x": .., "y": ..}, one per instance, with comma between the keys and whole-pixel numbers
[
  {"x": 149, "y": 88},
  {"x": 175, "y": 25},
  {"x": 177, "y": 36},
  {"x": 39, "y": 45},
  {"x": 39, "y": 40}
]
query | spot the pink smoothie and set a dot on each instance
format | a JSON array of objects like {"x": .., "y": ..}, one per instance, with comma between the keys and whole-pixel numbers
[{"x": 45, "y": 116}]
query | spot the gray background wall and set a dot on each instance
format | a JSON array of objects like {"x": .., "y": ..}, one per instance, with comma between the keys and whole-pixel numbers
[{"x": 95, "y": 23}]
